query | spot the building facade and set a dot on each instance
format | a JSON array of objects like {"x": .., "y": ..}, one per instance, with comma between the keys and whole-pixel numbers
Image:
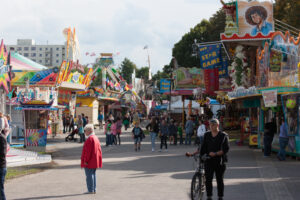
[{"x": 47, "y": 55}]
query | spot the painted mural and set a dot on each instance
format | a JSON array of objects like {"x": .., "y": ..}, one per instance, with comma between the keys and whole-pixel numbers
[
  {"x": 35, "y": 137},
  {"x": 255, "y": 17},
  {"x": 5, "y": 69}
]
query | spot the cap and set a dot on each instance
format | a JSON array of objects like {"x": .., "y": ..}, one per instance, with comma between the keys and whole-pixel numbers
[{"x": 214, "y": 120}]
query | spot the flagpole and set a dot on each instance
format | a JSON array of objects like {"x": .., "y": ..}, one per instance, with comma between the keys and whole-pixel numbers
[{"x": 149, "y": 75}]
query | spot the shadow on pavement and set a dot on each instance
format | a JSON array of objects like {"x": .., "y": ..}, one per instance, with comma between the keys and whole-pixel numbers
[{"x": 49, "y": 197}]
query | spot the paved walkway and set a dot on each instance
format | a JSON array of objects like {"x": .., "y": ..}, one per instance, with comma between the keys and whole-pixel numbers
[{"x": 160, "y": 175}]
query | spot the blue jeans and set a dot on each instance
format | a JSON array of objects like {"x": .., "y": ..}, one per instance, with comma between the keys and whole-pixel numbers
[
  {"x": 283, "y": 142},
  {"x": 268, "y": 145},
  {"x": 188, "y": 137},
  {"x": 153, "y": 136},
  {"x": 90, "y": 179},
  {"x": 2, "y": 179}
]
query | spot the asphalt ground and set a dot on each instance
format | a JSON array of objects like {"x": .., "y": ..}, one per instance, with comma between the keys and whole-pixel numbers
[{"x": 127, "y": 174}]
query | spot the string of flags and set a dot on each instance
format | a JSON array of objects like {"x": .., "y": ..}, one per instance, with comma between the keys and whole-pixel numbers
[{"x": 94, "y": 54}]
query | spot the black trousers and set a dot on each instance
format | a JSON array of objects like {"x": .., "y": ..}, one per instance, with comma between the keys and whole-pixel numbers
[
  {"x": 212, "y": 168},
  {"x": 163, "y": 141},
  {"x": 175, "y": 139}
]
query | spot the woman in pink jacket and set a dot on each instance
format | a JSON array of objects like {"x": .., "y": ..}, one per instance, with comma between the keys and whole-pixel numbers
[{"x": 91, "y": 158}]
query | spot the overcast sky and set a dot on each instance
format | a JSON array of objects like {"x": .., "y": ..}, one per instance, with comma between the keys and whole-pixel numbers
[{"x": 124, "y": 26}]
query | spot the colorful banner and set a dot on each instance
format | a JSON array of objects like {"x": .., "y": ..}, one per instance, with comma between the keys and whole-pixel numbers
[
  {"x": 210, "y": 56},
  {"x": 223, "y": 69},
  {"x": 255, "y": 17},
  {"x": 189, "y": 78},
  {"x": 270, "y": 98},
  {"x": 165, "y": 85},
  {"x": 275, "y": 61},
  {"x": 211, "y": 77},
  {"x": 35, "y": 137},
  {"x": 5, "y": 69}
]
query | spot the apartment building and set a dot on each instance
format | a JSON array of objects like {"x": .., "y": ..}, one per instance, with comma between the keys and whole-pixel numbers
[{"x": 47, "y": 55}]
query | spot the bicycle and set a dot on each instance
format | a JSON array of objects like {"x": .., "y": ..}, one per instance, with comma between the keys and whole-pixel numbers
[{"x": 198, "y": 180}]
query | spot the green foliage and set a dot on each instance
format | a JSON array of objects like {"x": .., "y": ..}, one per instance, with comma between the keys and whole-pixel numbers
[
  {"x": 98, "y": 79},
  {"x": 205, "y": 31},
  {"x": 126, "y": 70},
  {"x": 287, "y": 11},
  {"x": 143, "y": 73}
]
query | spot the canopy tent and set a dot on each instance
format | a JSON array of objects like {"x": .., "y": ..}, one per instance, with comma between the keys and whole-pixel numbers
[
  {"x": 212, "y": 101},
  {"x": 21, "y": 63},
  {"x": 178, "y": 104}
]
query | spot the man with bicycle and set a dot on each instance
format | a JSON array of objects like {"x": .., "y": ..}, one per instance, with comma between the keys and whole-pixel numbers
[{"x": 215, "y": 145}]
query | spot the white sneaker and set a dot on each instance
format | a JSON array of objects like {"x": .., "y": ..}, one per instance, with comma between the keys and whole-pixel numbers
[
  {"x": 153, "y": 150},
  {"x": 160, "y": 150},
  {"x": 166, "y": 150}
]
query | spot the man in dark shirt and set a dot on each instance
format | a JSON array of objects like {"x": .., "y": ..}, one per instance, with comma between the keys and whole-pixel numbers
[
  {"x": 270, "y": 130},
  {"x": 3, "y": 151},
  {"x": 215, "y": 145}
]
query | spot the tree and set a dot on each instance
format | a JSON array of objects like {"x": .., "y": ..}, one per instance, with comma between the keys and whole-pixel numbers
[
  {"x": 287, "y": 11},
  {"x": 143, "y": 73},
  {"x": 126, "y": 70},
  {"x": 98, "y": 79},
  {"x": 205, "y": 31}
]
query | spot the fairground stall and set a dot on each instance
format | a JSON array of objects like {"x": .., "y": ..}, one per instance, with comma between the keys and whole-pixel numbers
[
  {"x": 264, "y": 72},
  {"x": 36, "y": 117}
]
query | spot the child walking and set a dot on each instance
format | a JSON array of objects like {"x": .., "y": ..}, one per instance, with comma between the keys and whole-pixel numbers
[
  {"x": 114, "y": 132},
  {"x": 107, "y": 132},
  {"x": 137, "y": 134}
]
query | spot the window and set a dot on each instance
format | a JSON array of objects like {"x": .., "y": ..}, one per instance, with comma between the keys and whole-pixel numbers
[
  {"x": 26, "y": 54},
  {"x": 46, "y": 61},
  {"x": 41, "y": 61},
  {"x": 33, "y": 48},
  {"x": 26, "y": 48},
  {"x": 33, "y": 54},
  {"x": 34, "y": 60},
  {"x": 46, "y": 48},
  {"x": 41, "y": 55},
  {"x": 12, "y": 48},
  {"x": 41, "y": 49},
  {"x": 57, "y": 61},
  {"x": 46, "y": 55},
  {"x": 57, "y": 55},
  {"x": 19, "y": 48},
  {"x": 57, "y": 49}
]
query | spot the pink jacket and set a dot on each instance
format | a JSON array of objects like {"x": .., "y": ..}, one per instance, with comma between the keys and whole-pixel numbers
[
  {"x": 114, "y": 128},
  {"x": 91, "y": 153}
]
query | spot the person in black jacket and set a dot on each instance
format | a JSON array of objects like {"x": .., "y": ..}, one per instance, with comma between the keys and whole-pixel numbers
[
  {"x": 3, "y": 151},
  {"x": 153, "y": 127},
  {"x": 270, "y": 130},
  {"x": 216, "y": 146}
]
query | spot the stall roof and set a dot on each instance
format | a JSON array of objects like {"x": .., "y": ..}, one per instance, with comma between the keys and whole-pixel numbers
[{"x": 21, "y": 63}]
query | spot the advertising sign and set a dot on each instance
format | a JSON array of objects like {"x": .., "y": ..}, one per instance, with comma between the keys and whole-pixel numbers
[
  {"x": 210, "y": 56},
  {"x": 255, "y": 17},
  {"x": 275, "y": 61},
  {"x": 270, "y": 98},
  {"x": 211, "y": 77},
  {"x": 189, "y": 78},
  {"x": 165, "y": 85}
]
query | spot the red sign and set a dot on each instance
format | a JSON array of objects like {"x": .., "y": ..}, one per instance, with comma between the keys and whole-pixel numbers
[{"x": 211, "y": 77}]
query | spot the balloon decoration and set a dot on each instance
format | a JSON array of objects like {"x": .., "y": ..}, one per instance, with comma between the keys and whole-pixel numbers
[{"x": 291, "y": 103}]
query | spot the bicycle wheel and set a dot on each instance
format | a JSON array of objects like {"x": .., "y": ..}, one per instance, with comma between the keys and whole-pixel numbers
[{"x": 198, "y": 186}]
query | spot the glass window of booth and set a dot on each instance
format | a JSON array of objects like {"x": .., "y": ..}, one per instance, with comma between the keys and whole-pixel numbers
[
  {"x": 36, "y": 119},
  {"x": 291, "y": 107}
]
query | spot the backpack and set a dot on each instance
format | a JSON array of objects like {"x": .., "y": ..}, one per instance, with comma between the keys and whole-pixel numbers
[{"x": 137, "y": 132}]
